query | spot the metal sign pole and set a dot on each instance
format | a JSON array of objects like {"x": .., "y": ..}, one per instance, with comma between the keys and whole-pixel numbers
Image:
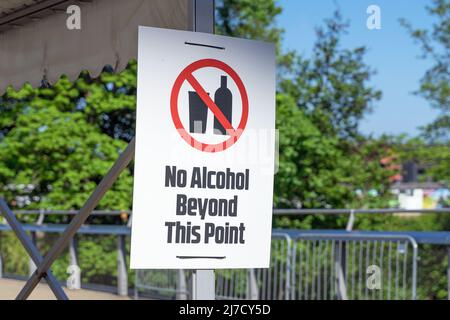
[{"x": 202, "y": 15}]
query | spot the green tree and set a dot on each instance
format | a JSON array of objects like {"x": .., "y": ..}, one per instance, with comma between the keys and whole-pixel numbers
[
  {"x": 335, "y": 166},
  {"x": 254, "y": 19},
  {"x": 58, "y": 142},
  {"x": 331, "y": 86},
  {"x": 320, "y": 103}
]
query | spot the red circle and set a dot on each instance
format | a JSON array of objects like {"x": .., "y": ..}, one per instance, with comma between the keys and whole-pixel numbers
[{"x": 205, "y": 147}]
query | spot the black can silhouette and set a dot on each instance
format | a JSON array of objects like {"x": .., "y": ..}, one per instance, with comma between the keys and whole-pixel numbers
[
  {"x": 198, "y": 113},
  {"x": 223, "y": 98}
]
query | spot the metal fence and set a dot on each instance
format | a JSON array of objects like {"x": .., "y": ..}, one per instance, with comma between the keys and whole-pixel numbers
[
  {"x": 264, "y": 284},
  {"x": 326, "y": 264},
  {"x": 234, "y": 284},
  {"x": 312, "y": 267},
  {"x": 162, "y": 284},
  {"x": 354, "y": 267}
]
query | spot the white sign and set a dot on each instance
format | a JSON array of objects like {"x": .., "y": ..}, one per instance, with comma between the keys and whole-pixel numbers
[{"x": 205, "y": 149}]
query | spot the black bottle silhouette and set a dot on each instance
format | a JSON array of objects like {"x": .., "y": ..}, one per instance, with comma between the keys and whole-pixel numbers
[
  {"x": 224, "y": 100},
  {"x": 198, "y": 113}
]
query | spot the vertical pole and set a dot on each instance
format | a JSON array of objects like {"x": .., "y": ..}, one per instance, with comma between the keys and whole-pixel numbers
[
  {"x": 181, "y": 285},
  {"x": 73, "y": 252},
  {"x": 202, "y": 20},
  {"x": 203, "y": 286},
  {"x": 74, "y": 261},
  {"x": 136, "y": 285},
  {"x": 252, "y": 285},
  {"x": 122, "y": 277},
  {"x": 340, "y": 266}
]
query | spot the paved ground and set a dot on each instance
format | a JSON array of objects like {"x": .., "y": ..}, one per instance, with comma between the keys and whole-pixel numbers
[{"x": 10, "y": 288}]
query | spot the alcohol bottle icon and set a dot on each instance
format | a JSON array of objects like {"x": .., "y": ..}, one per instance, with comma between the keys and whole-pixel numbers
[
  {"x": 224, "y": 100},
  {"x": 198, "y": 113}
]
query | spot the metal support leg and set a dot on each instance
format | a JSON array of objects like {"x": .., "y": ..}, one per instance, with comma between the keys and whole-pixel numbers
[
  {"x": 104, "y": 185},
  {"x": 203, "y": 286},
  {"x": 122, "y": 276},
  {"x": 31, "y": 249}
]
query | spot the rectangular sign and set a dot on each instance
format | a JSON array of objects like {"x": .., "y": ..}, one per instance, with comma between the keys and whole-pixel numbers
[{"x": 205, "y": 151}]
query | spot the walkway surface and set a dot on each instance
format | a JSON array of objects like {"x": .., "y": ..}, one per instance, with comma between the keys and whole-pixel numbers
[{"x": 10, "y": 288}]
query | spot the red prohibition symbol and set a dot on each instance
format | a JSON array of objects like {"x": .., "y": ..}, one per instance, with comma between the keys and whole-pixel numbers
[{"x": 186, "y": 75}]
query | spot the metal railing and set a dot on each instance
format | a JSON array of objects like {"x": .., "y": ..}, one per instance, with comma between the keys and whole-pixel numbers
[
  {"x": 326, "y": 264},
  {"x": 162, "y": 284},
  {"x": 121, "y": 232},
  {"x": 336, "y": 266},
  {"x": 312, "y": 267},
  {"x": 264, "y": 284}
]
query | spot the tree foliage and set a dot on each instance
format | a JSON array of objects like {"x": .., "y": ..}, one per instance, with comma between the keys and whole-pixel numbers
[
  {"x": 58, "y": 142},
  {"x": 331, "y": 86},
  {"x": 434, "y": 85}
]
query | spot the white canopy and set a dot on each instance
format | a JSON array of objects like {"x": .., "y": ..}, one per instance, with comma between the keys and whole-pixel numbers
[{"x": 35, "y": 42}]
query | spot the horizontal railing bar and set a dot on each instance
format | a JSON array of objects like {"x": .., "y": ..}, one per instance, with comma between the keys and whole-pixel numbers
[
  {"x": 282, "y": 212},
  {"x": 422, "y": 237},
  {"x": 277, "y": 212},
  {"x": 73, "y": 212}
]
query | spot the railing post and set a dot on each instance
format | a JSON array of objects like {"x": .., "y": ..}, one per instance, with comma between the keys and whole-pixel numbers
[
  {"x": 340, "y": 266},
  {"x": 252, "y": 285},
  {"x": 73, "y": 252},
  {"x": 181, "y": 285},
  {"x": 122, "y": 277},
  {"x": 351, "y": 220}
]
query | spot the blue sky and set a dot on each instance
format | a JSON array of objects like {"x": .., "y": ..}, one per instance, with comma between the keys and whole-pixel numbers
[{"x": 391, "y": 52}]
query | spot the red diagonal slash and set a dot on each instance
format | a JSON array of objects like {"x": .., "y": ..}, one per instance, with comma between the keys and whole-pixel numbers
[{"x": 211, "y": 105}]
